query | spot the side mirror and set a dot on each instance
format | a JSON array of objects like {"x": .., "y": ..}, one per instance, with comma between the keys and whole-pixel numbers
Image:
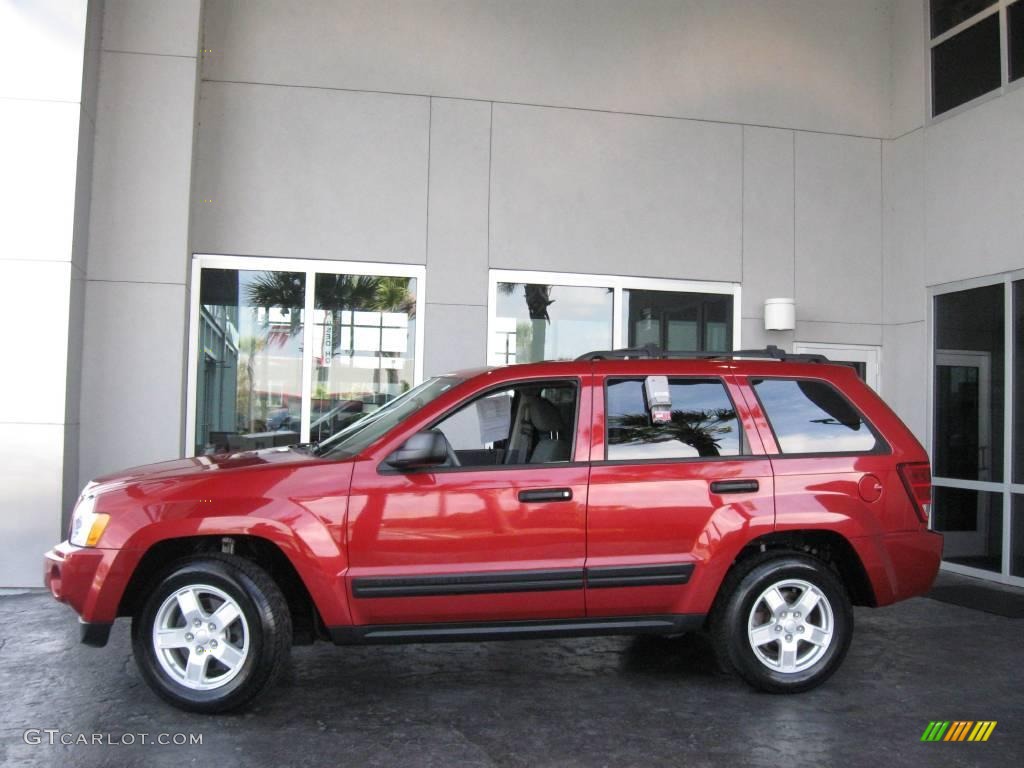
[{"x": 424, "y": 449}]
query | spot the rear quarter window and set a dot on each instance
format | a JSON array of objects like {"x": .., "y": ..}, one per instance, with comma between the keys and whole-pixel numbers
[{"x": 810, "y": 416}]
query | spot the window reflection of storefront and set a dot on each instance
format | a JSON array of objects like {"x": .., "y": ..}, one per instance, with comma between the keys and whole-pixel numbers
[
  {"x": 556, "y": 316},
  {"x": 262, "y": 377}
]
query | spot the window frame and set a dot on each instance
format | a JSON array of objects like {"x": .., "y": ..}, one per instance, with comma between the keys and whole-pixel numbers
[
  {"x": 311, "y": 267},
  {"x": 882, "y": 447},
  {"x": 1007, "y": 487},
  {"x": 1005, "y": 84},
  {"x": 618, "y": 284},
  {"x": 745, "y": 447}
]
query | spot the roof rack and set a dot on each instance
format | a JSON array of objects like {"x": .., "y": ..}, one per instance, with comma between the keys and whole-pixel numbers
[{"x": 654, "y": 352}]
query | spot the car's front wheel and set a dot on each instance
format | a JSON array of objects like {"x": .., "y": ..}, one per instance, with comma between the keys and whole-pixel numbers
[
  {"x": 785, "y": 623},
  {"x": 212, "y": 634}
]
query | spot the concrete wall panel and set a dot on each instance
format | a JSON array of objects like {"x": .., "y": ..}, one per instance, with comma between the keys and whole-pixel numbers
[
  {"x": 311, "y": 173},
  {"x": 838, "y": 229},
  {"x": 581, "y": 191}
]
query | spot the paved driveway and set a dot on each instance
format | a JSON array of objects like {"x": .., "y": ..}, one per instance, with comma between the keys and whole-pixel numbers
[{"x": 589, "y": 702}]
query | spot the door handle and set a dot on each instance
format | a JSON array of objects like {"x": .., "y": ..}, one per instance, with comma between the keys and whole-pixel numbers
[
  {"x": 735, "y": 486},
  {"x": 546, "y": 494}
]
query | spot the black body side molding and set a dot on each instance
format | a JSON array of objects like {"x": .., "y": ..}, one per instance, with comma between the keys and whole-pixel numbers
[{"x": 371, "y": 634}]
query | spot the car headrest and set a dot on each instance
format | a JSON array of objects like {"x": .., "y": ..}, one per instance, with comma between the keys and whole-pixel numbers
[{"x": 544, "y": 416}]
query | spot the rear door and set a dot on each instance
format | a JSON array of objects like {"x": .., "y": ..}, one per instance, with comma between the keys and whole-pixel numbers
[{"x": 668, "y": 498}]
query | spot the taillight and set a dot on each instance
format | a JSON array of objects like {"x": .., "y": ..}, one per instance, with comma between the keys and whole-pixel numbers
[{"x": 917, "y": 479}]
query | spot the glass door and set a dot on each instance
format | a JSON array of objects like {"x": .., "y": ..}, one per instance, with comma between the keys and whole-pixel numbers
[{"x": 971, "y": 430}]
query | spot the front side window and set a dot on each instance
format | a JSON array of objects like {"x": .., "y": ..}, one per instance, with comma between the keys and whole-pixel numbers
[
  {"x": 703, "y": 422},
  {"x": 529, "y": 423},
  {"x": 812, "y": 417}
]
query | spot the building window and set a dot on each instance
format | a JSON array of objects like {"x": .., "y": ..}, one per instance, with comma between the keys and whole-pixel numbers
[
  {"x": 1015, "y": 39},
  {"x": 969, "y": 384},
  {"x": 285, "y": 351},
  {"x": 978, "y": 338},
  {"x": 946, "y": 14},
  {"x": 538, "y": 321},
  {"x": 677, "y": 321},
  {"x": 555, "y": 316},
  {"x": 363, "y": 347},
  {"x": 967, "y": 49}
]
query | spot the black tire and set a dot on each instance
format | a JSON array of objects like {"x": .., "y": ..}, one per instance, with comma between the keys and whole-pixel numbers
[
  {"x": 265, "y": 613},
  {"x": 740, "y": 591}
]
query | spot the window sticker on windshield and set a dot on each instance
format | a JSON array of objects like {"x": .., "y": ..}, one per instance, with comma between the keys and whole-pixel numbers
[{"x": 495, "y": 416}]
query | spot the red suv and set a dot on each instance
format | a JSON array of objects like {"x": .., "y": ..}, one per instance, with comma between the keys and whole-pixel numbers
[{"x": 758, "y": 495}]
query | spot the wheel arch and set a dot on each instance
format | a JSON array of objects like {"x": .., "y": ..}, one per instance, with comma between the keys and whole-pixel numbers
[
  {"x": 307, "y": 620},
  {"x": 832, "y": 548}
]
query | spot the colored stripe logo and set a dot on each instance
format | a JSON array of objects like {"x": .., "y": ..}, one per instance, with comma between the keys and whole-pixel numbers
[{"x": 958, "y": 730}]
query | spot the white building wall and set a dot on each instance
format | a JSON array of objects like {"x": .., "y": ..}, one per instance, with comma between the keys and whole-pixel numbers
[
  {"x": 818, "y": 65},
  {"x": 135, "y": 307},
  {"x": 47, "y": 113}
]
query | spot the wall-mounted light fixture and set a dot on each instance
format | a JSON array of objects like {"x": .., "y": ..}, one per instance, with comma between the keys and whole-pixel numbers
[{"x": 779, "y": 314}]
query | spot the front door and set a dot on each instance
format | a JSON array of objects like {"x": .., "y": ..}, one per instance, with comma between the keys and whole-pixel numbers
[
  {"x": 498, "y": 533},
  {"x": 667, "y": 493}
]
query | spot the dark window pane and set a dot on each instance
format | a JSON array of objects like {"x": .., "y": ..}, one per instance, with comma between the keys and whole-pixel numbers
[
  {"x": 968, "y": 440},
  {"x": 966, "y": 66},
  {"x": 1015, "y": 39},
  {"x": 704, "y": 422},
  {"x": 678, "y": 322},
  {"x": 1018, "y": 381},
  {"x": 812, "y": 417},
  {"x": 946, "y": 14},
  {"x": 1017, "y": 537},
  {"x": 971, "y": 523}
]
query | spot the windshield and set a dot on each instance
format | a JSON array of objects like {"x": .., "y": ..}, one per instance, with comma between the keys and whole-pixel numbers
[{"x": 361, "y": 433}]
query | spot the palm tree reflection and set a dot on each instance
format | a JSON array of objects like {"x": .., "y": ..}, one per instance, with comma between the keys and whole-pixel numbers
[{"x": 702, "y": 430}]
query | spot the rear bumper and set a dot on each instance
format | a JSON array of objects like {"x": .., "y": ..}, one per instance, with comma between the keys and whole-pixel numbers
[
  {"x": 91, "y": 581},
  {"x": 901, "y": 565}
]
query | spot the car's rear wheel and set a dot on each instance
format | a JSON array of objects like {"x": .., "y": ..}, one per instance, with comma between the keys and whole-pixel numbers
[
  {"x": 784, "y": 623},
  {"x": 212, "y": 634}
]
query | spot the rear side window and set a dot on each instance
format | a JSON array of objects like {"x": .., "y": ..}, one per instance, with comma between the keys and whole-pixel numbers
[
  {"x": 703, "y": 423},
  {"x": 812, "y": 417}
]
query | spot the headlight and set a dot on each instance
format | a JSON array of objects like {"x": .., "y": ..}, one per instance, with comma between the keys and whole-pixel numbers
[{"x": 86, "y": 525}]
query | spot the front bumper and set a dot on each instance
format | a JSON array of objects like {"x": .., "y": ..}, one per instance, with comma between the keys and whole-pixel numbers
[{"x": 91, "y": 581}]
